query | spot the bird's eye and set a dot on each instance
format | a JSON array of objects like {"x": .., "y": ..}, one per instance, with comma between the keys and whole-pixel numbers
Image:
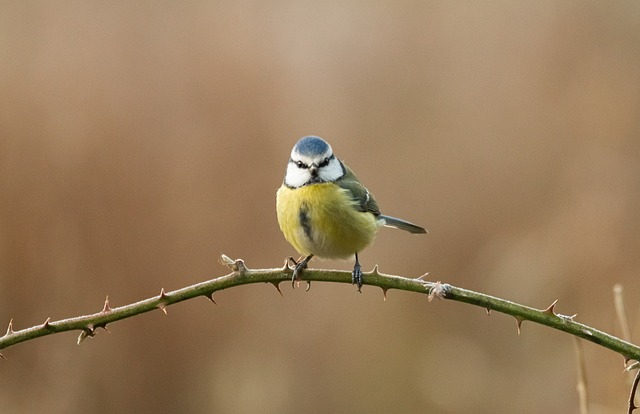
[
  {"x": 324, "y": 163},
  {"x": 301, "y": 164}
]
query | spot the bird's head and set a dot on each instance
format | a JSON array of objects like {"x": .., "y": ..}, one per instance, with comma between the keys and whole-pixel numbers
[{"x": 312, "y": 162}]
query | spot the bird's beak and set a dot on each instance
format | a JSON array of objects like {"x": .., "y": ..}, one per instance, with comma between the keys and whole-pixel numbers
[{"x": 313, "y": 169}]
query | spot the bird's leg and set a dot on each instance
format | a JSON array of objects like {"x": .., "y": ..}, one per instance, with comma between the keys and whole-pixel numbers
[
  {"x": 297, "y": 270},
  {"x": 356, "y": 275}
]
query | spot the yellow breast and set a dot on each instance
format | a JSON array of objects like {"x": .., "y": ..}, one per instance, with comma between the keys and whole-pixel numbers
[{"x": 321, "y": 219}]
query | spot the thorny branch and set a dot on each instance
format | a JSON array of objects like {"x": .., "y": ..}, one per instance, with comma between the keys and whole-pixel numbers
[{"x": 241, "y": 275}]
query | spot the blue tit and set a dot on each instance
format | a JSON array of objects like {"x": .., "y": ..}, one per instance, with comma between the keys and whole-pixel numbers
[{"x": 323, "y": 209}]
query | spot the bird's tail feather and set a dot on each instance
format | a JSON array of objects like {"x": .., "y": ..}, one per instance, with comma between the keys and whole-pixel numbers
[{"x": 402, "y": 225}]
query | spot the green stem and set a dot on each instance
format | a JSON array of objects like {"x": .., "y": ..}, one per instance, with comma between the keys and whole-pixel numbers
[{"x": 88, "y": 324}]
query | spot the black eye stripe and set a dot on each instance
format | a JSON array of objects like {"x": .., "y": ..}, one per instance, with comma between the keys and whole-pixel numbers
[{"x": 324, "y": 162}]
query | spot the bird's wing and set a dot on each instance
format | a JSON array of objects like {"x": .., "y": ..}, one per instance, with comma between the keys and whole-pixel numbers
[{"x": 359, "y": 193}]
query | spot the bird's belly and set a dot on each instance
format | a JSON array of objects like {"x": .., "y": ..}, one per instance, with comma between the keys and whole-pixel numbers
[{"x": 321, "y": 219}]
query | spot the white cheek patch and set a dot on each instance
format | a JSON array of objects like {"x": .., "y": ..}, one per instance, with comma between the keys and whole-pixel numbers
[
  {"x": 331, "y": 171},
  {"x": 296, "y": 177}
]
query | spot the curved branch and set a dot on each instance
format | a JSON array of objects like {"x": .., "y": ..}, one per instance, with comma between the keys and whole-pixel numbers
[{"x": 241, "y": 275}]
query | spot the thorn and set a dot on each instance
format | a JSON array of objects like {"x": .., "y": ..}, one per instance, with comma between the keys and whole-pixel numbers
[
  {"x": 633, "y": 366},
  {"x": 384, "y": 293},
  {"x": 162, "y": 307},
  {"x": 226, "y": 260},
  {"x": 163, "y": 297},
  {"x": 277, "y": 286},
  {"x": 104, "y": 327},
  {"x": 87, "y": 332},
  {"x": 9, "y": 328},
  {"x": 375, "y": 271},
  {"x": 423, "y": 276},
  {"x": 106, "y": 308},
  {"x": 3, "y": 357},
  {"x": 210, "y": 297},
  {"x": 308, "y": 286},
  {"x": 46, "y": 324},
  {"x": 488, "y": 311},
  {"x": 550, "y": 309},
  {"x": 519, "y": 323}
]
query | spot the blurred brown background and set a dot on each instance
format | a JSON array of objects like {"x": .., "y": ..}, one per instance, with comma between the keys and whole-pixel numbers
[{"x": 139, "y": 140}]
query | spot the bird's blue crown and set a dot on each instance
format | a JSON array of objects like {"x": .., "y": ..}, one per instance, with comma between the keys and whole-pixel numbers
[{"x": 311, "y": 146}]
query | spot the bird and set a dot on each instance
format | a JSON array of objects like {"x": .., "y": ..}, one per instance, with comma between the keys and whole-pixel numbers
[{"x": 323, "y": 209}]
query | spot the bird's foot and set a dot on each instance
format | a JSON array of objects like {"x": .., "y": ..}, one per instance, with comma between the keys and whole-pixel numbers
[
  {"x": 298, "y": 267},
  {"x": 356, "y": 276}
]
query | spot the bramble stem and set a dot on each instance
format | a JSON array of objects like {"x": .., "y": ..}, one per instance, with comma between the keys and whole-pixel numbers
[{"x": 88, "y": 324}]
